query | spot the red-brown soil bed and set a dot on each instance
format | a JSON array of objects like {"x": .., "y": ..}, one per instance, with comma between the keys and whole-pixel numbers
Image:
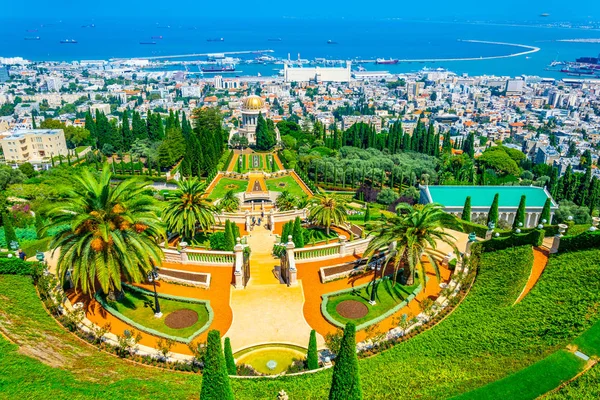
[
  {"x": 181, "y": 319},
  {"x": 352, "y": 309}
]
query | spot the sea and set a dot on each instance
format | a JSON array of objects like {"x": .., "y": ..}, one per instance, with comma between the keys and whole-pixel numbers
[{"x": 106, "y": 38}]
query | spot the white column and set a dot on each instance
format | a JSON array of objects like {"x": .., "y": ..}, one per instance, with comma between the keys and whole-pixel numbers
[
  {"x": 239, "y": 265},
  {"x": 293, "y": 272},
  {"x": 342, "y": 245}
]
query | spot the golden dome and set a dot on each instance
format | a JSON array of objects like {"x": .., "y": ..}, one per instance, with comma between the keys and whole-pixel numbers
[{"x": 253, "y": 103}]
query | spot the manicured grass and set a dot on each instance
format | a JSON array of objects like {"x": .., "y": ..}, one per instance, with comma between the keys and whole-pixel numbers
[
  {"x": 533, "y": 381},
  {"x": 483, "y": 340},
  {"x": 316, "y": 235},
  {"x": 226, "y": 184},
  {"x": 585, "y": 387},
  {"x": 589, "y": 342},
  {"x": 387, "y": 297},
  {"x": 139, "y": 308},
  {"x": 285, "y": 183}
]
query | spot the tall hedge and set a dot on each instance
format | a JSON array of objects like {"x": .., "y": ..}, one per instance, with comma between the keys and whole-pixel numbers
[
  {"x": 545, "y": 215},
  {"x": 9, "y": 230},
  {"x": 367, "y": 214},
  {"x": 298, "y": 233},
  {"x": 229, "y": 360},
  {"x": 533, "y": 238},
  {"x": 493, "y": 213},
  {"x": 520, "y": 216},
  {"x": 466, "y": 213},
  {"x": 585, "y": 240},
  {"x": 215, "y": 382},
  {"x": 345, "y": 383},
  {"x": 312, "y": 357}
]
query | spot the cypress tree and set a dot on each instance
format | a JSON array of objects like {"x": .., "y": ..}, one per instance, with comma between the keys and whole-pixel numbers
[
  {"x": 33, "y": 124},
  {"x": 138, "y": 128},
  {"x": 286, "y": 232},
  {"x": 229, "y": 360},
  {"x": 215, "y": 382},
  {"x": 229, "y": 239},
  {"x": 312, "y": 357},
  {"x": 368, "y": 213},
  {"x": 345, "y": 383},
  {"x": 520, "y": 217},
  {"x": 90, "y": 125},
  {"x": 126, "y": 131},
  {"x": 9, "y": 230},
  {"x": 545, "y": 215},
  {"x": 493, "y": 213},
  {"x": 298, "y": 233},
  {"x": 466, "y": 214}
]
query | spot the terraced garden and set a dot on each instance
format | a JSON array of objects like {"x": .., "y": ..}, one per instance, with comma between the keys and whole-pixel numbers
[{"x": 484, "y": 340}]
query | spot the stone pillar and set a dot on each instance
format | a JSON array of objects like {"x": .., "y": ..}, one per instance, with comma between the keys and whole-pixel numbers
[
  {"x": 238, "y": 274},
  {"x": 247, "y": 221},
  {"x": 293, "y": 272},
  {"x": 555, "y": 244},
  {"x": 488, "y": 234},
  {"x": 272, "y": 220},
  {"x": 343, "y": 244},
  {"x": 262, "y": 205},
  {"x": 183, "y": 252}
]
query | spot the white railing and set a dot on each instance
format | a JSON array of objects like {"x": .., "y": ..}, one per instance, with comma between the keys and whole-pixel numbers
[{"x": 308, "y": 254}]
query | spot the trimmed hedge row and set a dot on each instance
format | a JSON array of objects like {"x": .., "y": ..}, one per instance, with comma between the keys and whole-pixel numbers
[
  {"x": 480, "y": 230},
  {"x": 143, "y": 328},
  {"x": 374, "y": 321},
  {"x": 533, "y": 238},
  {"x": 585, "y": 240},
  {"x": 16, "y": 266}
]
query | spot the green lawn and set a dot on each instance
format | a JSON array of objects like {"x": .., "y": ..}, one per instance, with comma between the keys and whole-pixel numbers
[
  {"x": 533, "y": 381},
  {"x": 226, "y": 184},
  {"x": 285, "y": 183},
  {"x": 316, "y": 235},
  {"x": 589, "y": 342},
  {"x": 139, "y": 308},
  {"x": 387, "y": 297},
  {"x": 485, "y": 339}
]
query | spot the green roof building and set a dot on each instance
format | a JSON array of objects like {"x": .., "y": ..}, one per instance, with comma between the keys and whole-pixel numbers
[{"x": 453, "y": 199}]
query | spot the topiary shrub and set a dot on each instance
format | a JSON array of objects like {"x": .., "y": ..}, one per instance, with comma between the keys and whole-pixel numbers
[
  {"x": 312, "y": 357},
  {"x": 229, "y": 360},
  {"x": 345, "y": 383},
  {"x": 215, "y": 382}
]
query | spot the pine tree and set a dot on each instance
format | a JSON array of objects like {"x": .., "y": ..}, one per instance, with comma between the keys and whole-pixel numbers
[
  {"x": 229, "y": 360},
  {"x": 33, "y": 124},
  {"x": 138, "y": 128},
  {"x": 493, "y": 213},
  {"x": 215, "y": 382},
  {"x": 264, "y": 137},
  {"x": 520, "y": 216},
  {"x": 345, "y": 383},
  {"x": 286, "y": 231},
  {"x": 466, "y": 213},
  {"x": 545, "y": 215},
  {"x": 312, "y": 357},
  {"x": 446, "y": 143},
  {"x": 298, "y": 233}
]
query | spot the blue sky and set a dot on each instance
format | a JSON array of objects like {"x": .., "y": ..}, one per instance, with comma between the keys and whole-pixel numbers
[{"x": 491, "y": 10}]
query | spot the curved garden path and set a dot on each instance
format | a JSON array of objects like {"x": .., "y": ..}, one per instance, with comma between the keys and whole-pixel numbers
[
  {"x": 314, "y": 289},
  {"x": 540, "y": 260},
  {"x": 218, "y": 295}
]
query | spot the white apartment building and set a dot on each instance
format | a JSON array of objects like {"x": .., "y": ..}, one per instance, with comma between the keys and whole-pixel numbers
[
  {"x": 54, "y": 84},
  {"x": 33, "y": 145},
  {"x": 104, "y": 108}
]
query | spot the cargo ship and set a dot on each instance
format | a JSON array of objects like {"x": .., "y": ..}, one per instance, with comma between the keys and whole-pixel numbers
[
  {"x": 215, "y": 40},
  {"x": 589, "y": 60},
  {"x": 156, "y": 37},
  {"x": 32, "y": 38},
  {"x": 68, "y": 41},
  {"x": 274, "y": 40},
  {"x": 147, "y": 42},
  {"x": 218, "y": 68},
  {"x": 382, "y": 61}
]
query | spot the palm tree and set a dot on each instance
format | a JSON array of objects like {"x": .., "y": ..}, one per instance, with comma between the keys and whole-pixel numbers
[
  {"x": 415, "y": 231},
  {"x": 285, "y": 201},
  {"x": 230, "y": 202},
  {"x": 107, "y": 233},
  {"x": 328, "y": 210},
  {"x": 187, "y": 210}
]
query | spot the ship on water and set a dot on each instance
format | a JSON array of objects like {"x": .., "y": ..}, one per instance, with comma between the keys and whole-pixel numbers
[
  {"x": 383, "y": 61},
  {"x": 147, "y": 42},
  {"x": 274, "y": 40},
  {"x": 156, "y": 37},
  {"x": 32, "y": 38},
  {"x": 68, "y": 41},
  {"x": 331, "y": 42},
  {"x": 215, "y": 40},
  {"x": 216, "y": 68}
]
